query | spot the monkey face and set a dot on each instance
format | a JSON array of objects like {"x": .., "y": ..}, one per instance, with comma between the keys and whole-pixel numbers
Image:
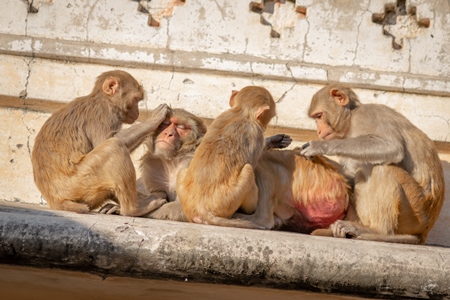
[{"x": 171, "y": 134}]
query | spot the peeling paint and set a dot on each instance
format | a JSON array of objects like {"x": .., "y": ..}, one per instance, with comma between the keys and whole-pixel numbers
[{"x": 21, "y": 45}]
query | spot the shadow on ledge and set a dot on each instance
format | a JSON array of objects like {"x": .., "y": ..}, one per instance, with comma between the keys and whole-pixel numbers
[{"x": 153, "y": 249}]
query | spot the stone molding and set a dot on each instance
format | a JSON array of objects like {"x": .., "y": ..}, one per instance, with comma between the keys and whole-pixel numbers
[{"x": 229, "y": 64}]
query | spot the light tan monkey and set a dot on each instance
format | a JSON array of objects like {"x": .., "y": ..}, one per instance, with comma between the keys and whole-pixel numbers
[
  {"x": 81, "y": 158},
  {"x": 170, "y": 149},
  {"x": 298, "y": 194},
  {"x": 398, "y": 178},
  {"x": 220, "y": 178}
]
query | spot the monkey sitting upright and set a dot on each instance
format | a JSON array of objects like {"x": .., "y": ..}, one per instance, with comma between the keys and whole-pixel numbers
[
  {"x": 220, "y": 178},
  {"x": 81, "y": 157},
  {"x": 398, "y": 178}
]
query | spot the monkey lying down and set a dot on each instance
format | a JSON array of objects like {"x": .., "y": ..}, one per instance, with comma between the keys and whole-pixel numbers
[{"x": 293, "y": 193}]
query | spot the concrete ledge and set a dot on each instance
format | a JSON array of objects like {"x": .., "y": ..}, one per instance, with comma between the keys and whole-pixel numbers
[{"x": 138, "y": 247}]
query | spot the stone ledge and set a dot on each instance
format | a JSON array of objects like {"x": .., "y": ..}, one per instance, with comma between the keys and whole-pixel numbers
[
  {"x": 144, "y": 248},
  {"x": 234, "y": 65}
]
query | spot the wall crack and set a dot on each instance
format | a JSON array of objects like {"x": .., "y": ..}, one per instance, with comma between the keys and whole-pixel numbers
[
  {"x": 88, "y": 21},
  {"x": 23, "y": 95},
  {"x": 292, "y": 87}
]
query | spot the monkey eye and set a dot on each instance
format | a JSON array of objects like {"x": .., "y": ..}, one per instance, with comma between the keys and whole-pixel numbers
[
  {"x": 166, "y": 122},
  {"x": 317, "y": 116},
  {"x": 181, "y": 126}
]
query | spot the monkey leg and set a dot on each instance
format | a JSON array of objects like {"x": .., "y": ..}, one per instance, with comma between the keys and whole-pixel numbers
[
  {"x": 156, "y": 201},
  {"x": 380, "y": 203},
  {"x": 106, "y": 172},
  {"x": 243, "y": 195},
  {"x": 250, "y": 200},
  {"x": 264, "y": 213},
  {"x": 171, "y": 211}
]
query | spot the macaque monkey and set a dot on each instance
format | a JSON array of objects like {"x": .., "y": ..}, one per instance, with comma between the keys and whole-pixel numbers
[
  {"x": 220, "y": 177},
  {"x": 298, "y": 194},
  {"x": 398, "y": 178},
  {"x": 81, "y": 158},
  {"x": 170, "y": 149}
]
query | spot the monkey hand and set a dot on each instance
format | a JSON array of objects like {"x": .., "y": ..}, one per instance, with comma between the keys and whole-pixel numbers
[
  {"x": 160, "y": 113},
  {"x": 312, "y": 148},
  {"x": 278, "y": 141}
]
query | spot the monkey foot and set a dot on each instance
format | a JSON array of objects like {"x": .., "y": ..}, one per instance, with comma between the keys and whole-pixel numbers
[
  {"x": 110, "y": 209},
  {"x": 344, "y": 229}
]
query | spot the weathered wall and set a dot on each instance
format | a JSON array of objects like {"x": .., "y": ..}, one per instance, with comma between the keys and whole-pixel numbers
[{"x": 52, "y": 51}]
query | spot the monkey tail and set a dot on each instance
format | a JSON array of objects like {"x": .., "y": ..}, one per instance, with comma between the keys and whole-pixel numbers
[
  {"x": 323, "y": 232},
  {"x": 210, "y": 219},
  {"x": 396, "y": 238}
]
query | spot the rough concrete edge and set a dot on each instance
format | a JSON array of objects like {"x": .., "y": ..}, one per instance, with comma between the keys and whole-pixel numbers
[
  {"x": 236, "y": 65},
  {"x": 144, "y": 248}
]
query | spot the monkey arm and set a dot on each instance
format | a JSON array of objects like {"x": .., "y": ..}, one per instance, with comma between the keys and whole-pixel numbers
[
  {"x": 370, "y": 149},
  {"x": 133, "y": 136}
]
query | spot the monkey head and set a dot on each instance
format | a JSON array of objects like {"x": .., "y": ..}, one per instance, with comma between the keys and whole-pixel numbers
[
  {"x": 177, "y": 135},
  {"x": 255, "y": 100},
  {"x": 124, "y": 92},
  {"x": 331, "y": 109}
]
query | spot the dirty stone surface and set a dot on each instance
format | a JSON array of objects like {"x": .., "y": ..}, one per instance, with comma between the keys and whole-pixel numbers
[{"x": 138, "y": 247}]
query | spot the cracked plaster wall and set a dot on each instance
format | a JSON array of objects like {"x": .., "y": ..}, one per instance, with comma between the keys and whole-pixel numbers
[{"x": 203, "y": 50}]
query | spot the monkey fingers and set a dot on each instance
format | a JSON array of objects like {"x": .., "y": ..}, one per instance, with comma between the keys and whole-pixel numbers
[
  {"x": 160, "y": 113},
  {"x": 312, "y": 148},
  {"x": 110, "y": 209},
  {"x": 278, "y": 141}
]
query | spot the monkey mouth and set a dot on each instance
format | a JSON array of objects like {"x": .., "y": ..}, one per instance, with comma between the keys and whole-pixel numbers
[
  {"x": 329, "y": 135},
  {"x": 164, "y": 142}
]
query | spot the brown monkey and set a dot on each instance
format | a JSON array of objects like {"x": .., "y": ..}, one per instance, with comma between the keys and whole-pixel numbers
[
  {"x": 297, "y": 194},
  {"x": 220, "y": 178},
  {"x": 398, "y": 178},
  {"x": 170, "y": 149},
  {"x": 81, "y": 158}
]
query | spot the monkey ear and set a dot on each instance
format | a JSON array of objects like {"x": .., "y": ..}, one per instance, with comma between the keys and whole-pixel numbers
[
  {"x": 110, "y": 86},
  {"x": 260, "y": 112},
  {"x": 339, "y": 97},
  {"x": 202, "y": 127},
  {"x": 233, "y": 94}
]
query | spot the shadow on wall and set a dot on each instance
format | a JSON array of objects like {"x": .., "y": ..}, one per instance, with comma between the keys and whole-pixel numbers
[{"x": 440, "y": 235}]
